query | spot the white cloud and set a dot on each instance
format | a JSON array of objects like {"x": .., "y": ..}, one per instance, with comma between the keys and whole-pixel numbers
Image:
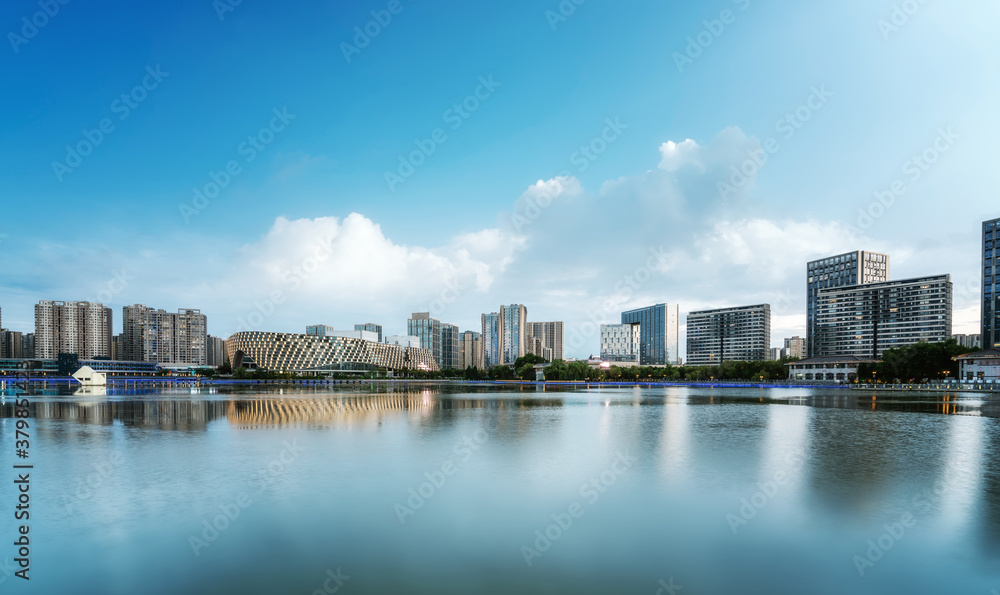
[{"x": 677, "y": 155}]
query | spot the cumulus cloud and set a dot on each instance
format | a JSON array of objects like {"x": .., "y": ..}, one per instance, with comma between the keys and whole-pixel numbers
[
  {"x": 328, "y": 267},
  {"x": 674, "y": 156}
]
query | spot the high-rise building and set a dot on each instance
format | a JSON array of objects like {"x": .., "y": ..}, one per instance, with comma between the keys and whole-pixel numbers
[
  {"x": 449, "y": 347},
  {"x": 370, "y": 327},
  {"x": 11, "y": 344},
  {"x": 659, "y": 333},
  {"x": 162, "y": 337},
  {"x": 82, "y": 328},
  {"x": 777, "y": 354},
  {"x": 621, "y": 342},
  {"x": 990, "y": 335},
  {"x": 470, "y": 352},
  {"x": 865, "y": 320},
  {"x": 215, "y": 351},
  {"x": 729, "y": 334},
  {"x": 28, "y": 346},
  {"x": 118, "y": 347},
  {"x": 428, "y": 329},
  {"x": 491, "y": 340},
  {"x": 551, "y": 336},
  {"x": 844, "y": 270},
  {"x": 968, "y": 341},
  {"x": 513, "y": 332},
  {"x": 795, "y": 348}
]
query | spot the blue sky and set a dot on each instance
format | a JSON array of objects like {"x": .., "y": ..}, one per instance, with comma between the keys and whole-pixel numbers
[{"x": 557, "y": 82}]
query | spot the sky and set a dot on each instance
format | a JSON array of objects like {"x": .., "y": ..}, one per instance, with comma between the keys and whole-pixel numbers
[{"x": 307, "y": 162}]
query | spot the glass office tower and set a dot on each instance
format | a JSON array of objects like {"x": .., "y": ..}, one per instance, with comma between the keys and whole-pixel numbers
[
  {"x": 990, "y": 335},
  {"x": 659, "y": 333}
]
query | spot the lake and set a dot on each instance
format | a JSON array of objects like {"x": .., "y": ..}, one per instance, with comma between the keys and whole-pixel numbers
[{"x": 485, "y": 489}]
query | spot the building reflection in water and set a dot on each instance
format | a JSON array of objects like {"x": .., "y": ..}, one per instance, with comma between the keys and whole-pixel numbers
[{"x": 675, "y": 456}]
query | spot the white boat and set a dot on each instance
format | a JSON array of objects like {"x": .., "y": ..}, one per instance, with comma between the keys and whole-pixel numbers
[{"x": 86, "y": 376}]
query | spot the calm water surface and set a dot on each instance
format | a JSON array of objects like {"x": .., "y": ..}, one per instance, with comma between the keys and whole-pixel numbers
[{"x": 458, "y": 489}]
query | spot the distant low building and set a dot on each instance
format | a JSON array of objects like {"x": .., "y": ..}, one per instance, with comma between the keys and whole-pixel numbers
[
  {"x": 371, "y": 327},
  {"x": 968, "y": 341},
  {"x": 827, "y": 369},
  {"x": 403, "y": 340},
  {"x": 981, "y": 366}
]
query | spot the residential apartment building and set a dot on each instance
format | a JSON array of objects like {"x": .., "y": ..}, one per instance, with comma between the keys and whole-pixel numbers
[
  {"x": 551, "y": 336},
  {"x": 796, "y": 348},
  {"x": 513, "y": 332},
  {"x": 215, "y": 351},
  {"x": 659, "y": 329},
  {"x": 844, "y": 270},
  {"x": 82, "y": 328},
  {"x": 470, "y": 351},
  {"x": 968, "y": 341},
  {"x": 491, "y": 340},
  {"x": 866, "y": 320},
  {"x": 11, "y": 344},
  {"x": 161, "y": 337},
  {"x": 729, "y": 334},
  {"x": 990, "y": 334}
]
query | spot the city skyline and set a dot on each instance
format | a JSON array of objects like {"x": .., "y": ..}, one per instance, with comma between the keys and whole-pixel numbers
[{"x": 834, "y": 158}]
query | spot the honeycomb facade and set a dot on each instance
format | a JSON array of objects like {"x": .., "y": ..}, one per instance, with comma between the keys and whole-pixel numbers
[{"x": 283, "y": 352}]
